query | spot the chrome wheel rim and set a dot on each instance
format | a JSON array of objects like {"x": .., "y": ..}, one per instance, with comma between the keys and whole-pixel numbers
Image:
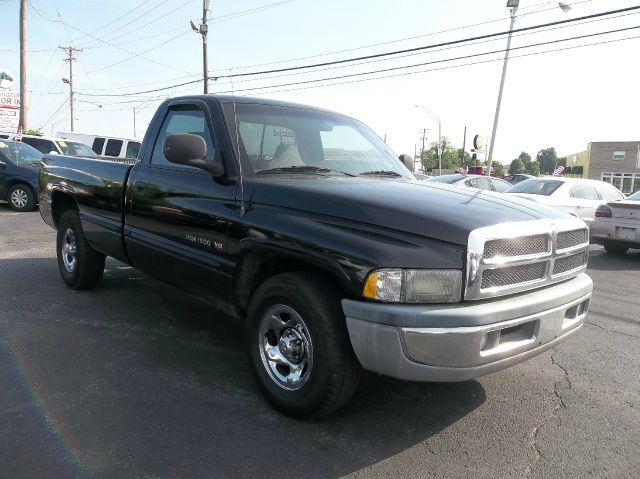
[
  {"x": 69, "y": 257},
  {"x": 19, "y": 198},
  {"x": 285, "y": 347}
]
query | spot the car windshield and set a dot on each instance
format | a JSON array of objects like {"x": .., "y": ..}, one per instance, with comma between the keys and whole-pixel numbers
[
  {"x": 446, "y": 178},
  {"x": 536, "y": 187},
  {"x": 19, "y": 154},
  {"x": 73, "y": 148},
  {"x": 635, "y": 196},
  {"x": 285, "y": 140}
]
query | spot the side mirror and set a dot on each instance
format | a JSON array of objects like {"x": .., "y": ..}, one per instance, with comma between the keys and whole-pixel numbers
[
  {"x": 188, "y": 149},
  {"x": 407, "y": 160},
  {"x": 52, "y": 152}
]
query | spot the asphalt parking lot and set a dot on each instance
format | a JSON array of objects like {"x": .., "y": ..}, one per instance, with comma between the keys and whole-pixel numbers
[{"x": 137, "y": 379}]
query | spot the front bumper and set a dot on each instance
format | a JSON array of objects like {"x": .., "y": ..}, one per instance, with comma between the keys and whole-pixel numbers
[{"x": 465, "y": 340}]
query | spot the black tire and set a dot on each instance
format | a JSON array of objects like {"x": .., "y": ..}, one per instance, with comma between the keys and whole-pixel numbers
[
  {"x": 80, "y": 266},
  {"x": 21, "y": 197},
  {"x": 331, "y": 370},
  {"x": 614, "y": 248}
]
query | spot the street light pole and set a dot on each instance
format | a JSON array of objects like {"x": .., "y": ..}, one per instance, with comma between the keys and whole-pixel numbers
[
  {"x": 513, "y": 4},
  {"x": 514, "y": 9}
]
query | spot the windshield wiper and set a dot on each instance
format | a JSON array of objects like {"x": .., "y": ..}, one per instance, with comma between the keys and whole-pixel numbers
[
  {"x": 380, "y": 173},
  {"x": 302, "y": 169}
]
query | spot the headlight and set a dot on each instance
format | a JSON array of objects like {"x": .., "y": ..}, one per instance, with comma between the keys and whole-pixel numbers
[{"x": 414, "y": 286}]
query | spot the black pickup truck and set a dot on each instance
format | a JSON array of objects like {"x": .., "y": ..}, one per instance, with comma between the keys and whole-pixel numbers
[{"x": 304, "y": 225}]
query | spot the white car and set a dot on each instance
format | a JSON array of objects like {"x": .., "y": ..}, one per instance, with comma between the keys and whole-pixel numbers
[
  {"x": 53, "y": 145},
  {"x": 479, "y": 182},
  {"x": 617, "y": 225},
  {"x": 577, "y": 196}
]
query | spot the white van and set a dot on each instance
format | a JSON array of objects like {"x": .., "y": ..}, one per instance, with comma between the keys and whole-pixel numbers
[{"x": 125, "y": 148}]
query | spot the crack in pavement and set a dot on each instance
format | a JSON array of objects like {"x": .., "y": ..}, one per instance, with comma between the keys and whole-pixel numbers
[
  {"x": 612, "y": 330},
  {"x": 536, "y": 452},
  {"x": 537, "y": 455}
]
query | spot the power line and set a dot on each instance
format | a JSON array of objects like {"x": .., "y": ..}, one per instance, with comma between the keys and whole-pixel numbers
[
  {"x": 464, "y": 57},
  {"x": 385, "y": 54},
  {"x": 442, "y": 44},
  {"x": 103, "y": 41}
]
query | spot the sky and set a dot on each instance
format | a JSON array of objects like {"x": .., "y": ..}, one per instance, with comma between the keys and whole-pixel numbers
[{"x": 562, "y": 99}]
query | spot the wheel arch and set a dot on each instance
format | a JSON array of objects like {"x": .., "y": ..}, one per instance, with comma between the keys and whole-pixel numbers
[
  {"x": 61, "y": 202},
  {"x": 258, "y": 264}
]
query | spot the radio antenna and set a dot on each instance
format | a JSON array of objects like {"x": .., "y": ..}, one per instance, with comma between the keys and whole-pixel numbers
[{"x": 235, "y": 121}]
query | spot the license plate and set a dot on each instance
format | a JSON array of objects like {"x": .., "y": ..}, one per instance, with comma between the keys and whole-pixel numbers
[{"x": 626, "y": 233}]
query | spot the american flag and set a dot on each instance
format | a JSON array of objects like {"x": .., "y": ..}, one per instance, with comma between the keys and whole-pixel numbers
[{"x": 558, "y": 171}]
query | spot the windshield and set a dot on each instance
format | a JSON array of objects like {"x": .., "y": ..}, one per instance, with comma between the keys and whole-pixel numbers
[
  {"x": 20, "y": 154},
  {"x": 536, "y": 187},
  {"x": 446, "y": 178},
  {"x": 73, "y": 148},
  {"x": 635, "y": 196},
  {"x": 283, "y": 141}
]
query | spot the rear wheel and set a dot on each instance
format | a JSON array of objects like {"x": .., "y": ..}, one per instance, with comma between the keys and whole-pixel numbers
[
  {"x": 80, "y": 266},
  {"x": 299, "y": 345},
  {"x": 21, "y": 198},
  {"x": 616, "y": 249}
]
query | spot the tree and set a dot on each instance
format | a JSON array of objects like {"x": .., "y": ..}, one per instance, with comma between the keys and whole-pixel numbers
[
  {"x": 516, "y": 166},
  {"x": 548, "y": 160},
  {"x": 525, "y": 157},
  {"x": 533, "y": 168},
  {"x": 497, "y": 167},
  {"x": 450, "y": 156},
  {"x": 34, "y": 132}
]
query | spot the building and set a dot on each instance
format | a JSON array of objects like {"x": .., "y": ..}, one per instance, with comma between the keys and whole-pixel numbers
[{"x": 616, "y": 162}]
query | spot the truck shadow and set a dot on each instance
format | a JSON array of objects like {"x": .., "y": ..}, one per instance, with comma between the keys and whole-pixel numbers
[{"x": 186, "y": 401}]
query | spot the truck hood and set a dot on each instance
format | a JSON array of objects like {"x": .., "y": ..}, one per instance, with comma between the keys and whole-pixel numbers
[{"x": 434, "y": 210}]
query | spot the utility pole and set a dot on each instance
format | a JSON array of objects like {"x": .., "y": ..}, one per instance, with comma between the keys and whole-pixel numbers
[
  {"x": 203, "y": 29},
  {"x": 70, "y": 51},
  {"x": 464, "y": 145},
  {"x": 134, "y": 121},
  {"x": 23, "y": 64}
]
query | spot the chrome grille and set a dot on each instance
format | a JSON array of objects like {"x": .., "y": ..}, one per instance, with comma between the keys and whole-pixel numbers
[
  {"x": 519, "y": 246},
  {"x": 513, "y": 275},
  {"x": 544, "y": 251},
  {"x": 568, "y": 239},
  {"x": 568, "y": 263}
]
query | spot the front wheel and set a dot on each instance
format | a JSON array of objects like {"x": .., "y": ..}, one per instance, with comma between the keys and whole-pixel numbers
[
  {"x": 616, "y": 249},
  {"x": 299, "y": 345},
  {"x": 80, "y": 266},
  {"x": 21, "y": 198}
]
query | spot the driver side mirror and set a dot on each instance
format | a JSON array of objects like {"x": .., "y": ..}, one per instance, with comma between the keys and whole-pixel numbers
[
  {"x": 188, "y": 149},
  {"x": 407, "y": 160}
]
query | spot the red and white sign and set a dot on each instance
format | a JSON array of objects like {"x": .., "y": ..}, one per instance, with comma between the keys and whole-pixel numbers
[{"x": 9, "y": 110}]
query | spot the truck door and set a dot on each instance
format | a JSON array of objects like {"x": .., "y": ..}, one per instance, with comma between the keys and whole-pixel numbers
[{"x": 177, "y": 215}]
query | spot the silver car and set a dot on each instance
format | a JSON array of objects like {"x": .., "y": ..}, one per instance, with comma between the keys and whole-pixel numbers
[
  {"x": 576, "y": 196},
  {"x": 488, "y": 183},
  {"x": 617, "y": 225}
]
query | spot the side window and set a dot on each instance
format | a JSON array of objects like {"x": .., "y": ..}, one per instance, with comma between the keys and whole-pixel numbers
[
  {"x": 133, "y": 147},
  {"x": 113, "y": 147},
  {"x": 43, "y": 146},
  {"x": 98, "y": 143},
  {"x": 500, "y": 186},
  {"x": 482, "y": 183},
  {"x": 608, "y": 193},
  {"x": 183, "y": 120},
  {"x": 585, "y": 191}
]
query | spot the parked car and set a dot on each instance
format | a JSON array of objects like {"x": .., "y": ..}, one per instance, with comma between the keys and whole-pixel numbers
[
  {"x": 421, "y": 176},
  {"x": 577, "y": 196},
  {"x": 304, "y": 226},
  {"x": 517, "y": 178},
  {"x": 19, "y": 165},
  {"x": 489, "y": 183},
  {"x": 112, "y": 147},
  {"x": 58, "y": 146},
  {"x": 617, "y": 225}
]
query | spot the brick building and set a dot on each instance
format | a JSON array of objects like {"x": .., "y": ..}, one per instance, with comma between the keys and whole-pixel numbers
[{"x": 616, "y": 162}]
